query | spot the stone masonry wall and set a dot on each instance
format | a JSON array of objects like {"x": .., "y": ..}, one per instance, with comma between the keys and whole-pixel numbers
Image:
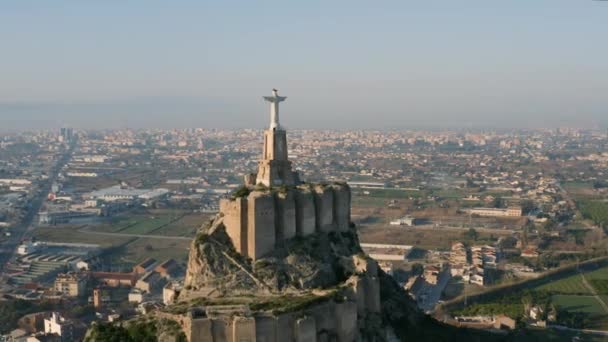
[
  {"x": 329, "y": 321},
  {"x": 258, "y": 222},
  {"x": 342, "y": 198},
  {"x": 305, "y": 212},
  {"x": 285, "y": 215},
  {"x": 235, "y": 221},
  {"x": 324, "y": 208}
]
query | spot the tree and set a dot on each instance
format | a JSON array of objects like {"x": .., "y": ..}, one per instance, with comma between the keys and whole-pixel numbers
[
  {"x": 527, "y": 206},
  {"x": 498, "y": 202},
  {"x": 417, "y": 269},
  {"x": 471, "y": 234}
]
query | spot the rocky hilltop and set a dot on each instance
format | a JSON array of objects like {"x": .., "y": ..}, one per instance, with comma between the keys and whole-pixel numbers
[
  {"x": 321, "y": 284},
  {"x": 321, "y": 287}
]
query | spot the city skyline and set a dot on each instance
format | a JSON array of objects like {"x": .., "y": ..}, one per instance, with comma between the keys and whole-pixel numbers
[{"x": 401, "y": 65}]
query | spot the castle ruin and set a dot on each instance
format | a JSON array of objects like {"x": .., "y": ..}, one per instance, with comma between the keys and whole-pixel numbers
[{"x": 277, "y": 206}]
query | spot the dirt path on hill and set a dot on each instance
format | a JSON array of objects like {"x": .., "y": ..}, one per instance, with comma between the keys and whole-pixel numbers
[{"x": 595, "y": 295}]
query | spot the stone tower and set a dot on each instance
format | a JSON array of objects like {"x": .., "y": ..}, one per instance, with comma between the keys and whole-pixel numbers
[{"x": 275, "y": 168}]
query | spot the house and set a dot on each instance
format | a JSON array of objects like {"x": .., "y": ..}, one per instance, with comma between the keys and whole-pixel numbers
[
  {"x": 504, "y": 322},
  {"x": 144, "y": 266},
  {"x": 477, "y": 279},
  {"x": 152, "y": 282},
  {"x": 170, "y": 292},
  {"x": 404, "y": 221},
  {"x": 115, "y": 279},
  {"x": 530, "y": 252},
  {"x": 168, "y": 269},
  {"x": 33, "y": 322},
  {"x": 56, "y": 324},
  {"x": 431, "y": 274},
  {"x": 536, "y": 313},
  {"x": 457, "y": 270},
  {"x": 136, "y": 296}
]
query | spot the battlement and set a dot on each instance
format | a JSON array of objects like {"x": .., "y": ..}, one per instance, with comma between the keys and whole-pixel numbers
[{"x": 259, "y": 220}]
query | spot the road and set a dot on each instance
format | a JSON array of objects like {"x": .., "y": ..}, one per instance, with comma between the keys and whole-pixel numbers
[
  {"x": 432, "y": 227},
  {"x": 25, "y": 228},
  {"x": 163, "y": 237},
  {"x": 587, "y": 331}
]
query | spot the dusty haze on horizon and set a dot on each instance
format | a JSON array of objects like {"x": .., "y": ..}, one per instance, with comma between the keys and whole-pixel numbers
[{"x": 342, "y": 65}]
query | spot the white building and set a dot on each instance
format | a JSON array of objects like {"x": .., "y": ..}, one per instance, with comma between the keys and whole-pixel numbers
[
  {"x": 404, "y": 221},
  {"x": 27, "y": 247},
  {"x": 56, "y": 324},
  {"x": 118, "y": 192}
]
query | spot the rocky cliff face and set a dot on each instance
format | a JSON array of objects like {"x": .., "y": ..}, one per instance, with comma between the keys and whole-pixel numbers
[
  {"x": 315, "y": 288},
  {"x": 320, "y": 260}
]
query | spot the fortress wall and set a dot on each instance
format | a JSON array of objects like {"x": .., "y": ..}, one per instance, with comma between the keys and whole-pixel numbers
[
  {"x": 285, "y": 328},
  {"x": 324, "y": 316},
  {"x": 235, "y": 221},
  {"x": 305, "y": 330},
  {"x": 372, "y": 297},
  {"x": 366, "y": 293},
  {"x": 220, "y": 330},
  {"x": 324, "y": 208},
  {"x": 342, "y": 200},
  {"x": 329, "y": 321},
  {"x": 305, "y": 212},
  {"x": 266, "y": 329},
  {"x": 346, "y": 321},
  {"x": 200, "y": 330},
  {"x": 286, "y": 216},
  {"x": 243, "y": 329},
  {"x": 359, "y": 288},
  {"x": 260, "y": 224}
]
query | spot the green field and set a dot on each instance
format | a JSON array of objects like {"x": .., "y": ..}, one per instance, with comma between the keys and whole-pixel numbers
[
  {"x": 576, "y": 306},
  {"x": 153, "y": 248},
  {"x": 449, "y": 193},
  {"x": 601, "y": 273},
  {"x": 570, "y": 285},
  {"x": 131, "y": 249},
  {"x": 147, "y": 225},
  {"x": 158, "y": 222},
  {"x": 71, "y": 234},
  {"x": 584, "y": 304}
]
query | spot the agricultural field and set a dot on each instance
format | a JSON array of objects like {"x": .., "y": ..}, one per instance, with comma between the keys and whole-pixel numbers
[
  {"x": 187, "y": 225},
  {"x": 440, "y": 238},
  {"x": 158, "y": 249},
  {"x": 156, "y": 222},
  {"x": 72, "y": 234},
  {"x": 573, "y": 303},
  {"x": 570, "y": 285},
  {"x": 177, "y": 225},
  {"x": 580, "y": 190},
  {"x": 600, "y": 273}
]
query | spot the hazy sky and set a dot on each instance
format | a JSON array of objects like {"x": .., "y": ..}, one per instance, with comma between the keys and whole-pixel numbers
[{"x": 354, "y": 64}]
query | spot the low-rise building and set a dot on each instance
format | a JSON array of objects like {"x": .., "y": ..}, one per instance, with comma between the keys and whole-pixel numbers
[
  {"x": 56, "y": 324},
  {"x": 115, "y": 279},
  {"x": 144, "y": 266},
  {"x": 496, "y": 212},
  {"x": 71, "y": 284}
]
